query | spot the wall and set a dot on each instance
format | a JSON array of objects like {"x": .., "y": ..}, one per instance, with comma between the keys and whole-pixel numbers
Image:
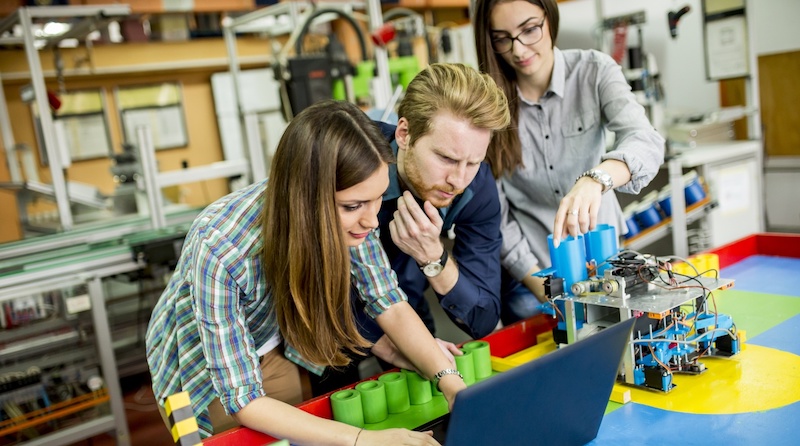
[
  {"x": 189, "y": 63},
  {"x": 775, "y": 24},
  {"x": 680, "y": 61}
]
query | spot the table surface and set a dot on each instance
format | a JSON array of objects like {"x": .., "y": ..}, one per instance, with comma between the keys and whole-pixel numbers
[{"x": 750, "y": 398}]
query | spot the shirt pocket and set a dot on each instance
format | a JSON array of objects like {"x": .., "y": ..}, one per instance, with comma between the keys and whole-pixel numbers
[
  {"x": 577, "y": 124},
  {"x": 579, "y": 131}
]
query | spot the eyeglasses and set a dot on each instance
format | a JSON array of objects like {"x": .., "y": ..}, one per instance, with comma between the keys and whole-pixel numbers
[{"x": 528, "y": 36}]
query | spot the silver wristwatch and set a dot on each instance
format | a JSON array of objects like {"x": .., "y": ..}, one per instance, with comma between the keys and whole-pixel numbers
[
  {"x": 601, "y": 176},
  {"x": 434, "y": 268}
]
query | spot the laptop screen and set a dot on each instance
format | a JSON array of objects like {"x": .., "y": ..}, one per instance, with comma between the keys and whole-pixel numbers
[{"x": 559, "y": 398}]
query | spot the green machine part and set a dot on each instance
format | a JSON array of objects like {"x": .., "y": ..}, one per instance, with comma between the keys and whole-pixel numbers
[
  {"x": 365, "y": 71},
  {"x": 401, "y": 70}
]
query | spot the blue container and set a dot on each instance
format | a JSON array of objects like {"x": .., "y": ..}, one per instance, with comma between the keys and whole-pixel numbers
[
  {"x": 569, "y": 260},
  {"x": 600, "y": 245},
  {"x": 694, "y": 193},
  {"x": 665, "y": 202},
  {"x": 692, "y": 190},
  {"x": 630, "y": 223},
  {"x": 647, "y": 215}
]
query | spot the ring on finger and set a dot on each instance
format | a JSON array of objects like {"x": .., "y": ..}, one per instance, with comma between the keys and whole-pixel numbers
[{"x": 574, "y": 212}]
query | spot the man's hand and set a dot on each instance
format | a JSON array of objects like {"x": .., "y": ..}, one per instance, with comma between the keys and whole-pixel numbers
[
  {"x": 387, "y": 351},
  {"x": 416, "y": 232}
]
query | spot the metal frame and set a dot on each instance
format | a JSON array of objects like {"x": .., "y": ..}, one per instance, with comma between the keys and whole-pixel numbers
[
  {"x": 25, "y": 17},
  {"x": 656, "y": 301},
  {"x": 93, "y": 17},
  {"x": 90, "y": 271}
]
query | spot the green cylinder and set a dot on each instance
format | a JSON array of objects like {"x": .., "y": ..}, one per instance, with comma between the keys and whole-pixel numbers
[
  {"x": 396, "y": 385},
  {"x": 373, "y": 400},
  {"x": 465, "y": 365},
  {"x": 346, "y": 407},
  {"x": 419, "y": 389},
  {"x": 435, "y": 390},
  {"x": 481, "y": 358}
]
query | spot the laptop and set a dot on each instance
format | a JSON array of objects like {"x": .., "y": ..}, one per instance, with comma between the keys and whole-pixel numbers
[{"x": 558, "y": 399}]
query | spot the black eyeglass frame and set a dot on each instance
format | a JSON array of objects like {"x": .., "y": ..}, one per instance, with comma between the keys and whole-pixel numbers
[{"x": 516, "y": 38}]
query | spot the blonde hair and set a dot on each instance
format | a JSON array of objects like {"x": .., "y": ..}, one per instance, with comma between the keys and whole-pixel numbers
[{"x": 458, "y": 89}]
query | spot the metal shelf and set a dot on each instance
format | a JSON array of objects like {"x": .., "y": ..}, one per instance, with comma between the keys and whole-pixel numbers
[
  {"x": 650, "y": 235},
  {"x": 32, "y": 419}
]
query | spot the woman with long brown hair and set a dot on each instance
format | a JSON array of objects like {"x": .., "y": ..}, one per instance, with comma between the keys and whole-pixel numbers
[{"x": 264, "y": 283}]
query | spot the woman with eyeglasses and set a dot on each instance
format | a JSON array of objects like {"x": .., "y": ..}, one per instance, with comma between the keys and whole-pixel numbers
[{"x": 553, "y": 169}]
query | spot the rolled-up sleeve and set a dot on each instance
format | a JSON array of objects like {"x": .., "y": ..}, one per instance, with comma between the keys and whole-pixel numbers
[
  {"x": 636, "y": 143},
  {"x": 373, "y": 276}
]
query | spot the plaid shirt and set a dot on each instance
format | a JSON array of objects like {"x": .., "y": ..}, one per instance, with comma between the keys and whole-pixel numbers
[{"x": 216, "y": 310}]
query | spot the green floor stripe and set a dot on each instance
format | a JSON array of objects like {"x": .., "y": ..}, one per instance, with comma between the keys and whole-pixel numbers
[{"x": 756, "y": 312}]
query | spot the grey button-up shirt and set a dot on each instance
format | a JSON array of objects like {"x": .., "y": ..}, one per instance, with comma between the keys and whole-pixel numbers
[{"x": 563, "y": 136}]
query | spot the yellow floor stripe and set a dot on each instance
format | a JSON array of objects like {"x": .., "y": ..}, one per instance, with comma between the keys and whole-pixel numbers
[{"x": 758, "y": 378}]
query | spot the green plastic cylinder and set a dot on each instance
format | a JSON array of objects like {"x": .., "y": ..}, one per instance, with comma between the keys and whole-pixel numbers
[
  {"x": 396, "y": 385},
  {"x": 419, "y": 389},
  {"x": 481, "y": 358},
  {"x": 465, "y": 365},
  {"x": 435, "y": 390},
  {"x": 346, "y": 407},
  {"x": 373, "y": 400}
]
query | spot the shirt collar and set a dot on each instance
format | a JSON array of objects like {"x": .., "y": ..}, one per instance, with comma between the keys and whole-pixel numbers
[
  {"x": 394, "y": 191},
  {"x": 557, "y": 77}
]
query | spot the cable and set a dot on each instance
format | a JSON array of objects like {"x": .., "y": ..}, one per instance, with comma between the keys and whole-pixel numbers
[{"x": 298, "y": 45}]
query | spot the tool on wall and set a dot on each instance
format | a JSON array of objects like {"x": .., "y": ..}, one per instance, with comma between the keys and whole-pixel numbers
[{"x": 672, "y": 20}]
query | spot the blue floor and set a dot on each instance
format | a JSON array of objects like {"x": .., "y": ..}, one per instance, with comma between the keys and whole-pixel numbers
[
  {"x": 644, "y": 425},
  {"x": 636, "y": 424},
  {"x": 765, "y": 274}
]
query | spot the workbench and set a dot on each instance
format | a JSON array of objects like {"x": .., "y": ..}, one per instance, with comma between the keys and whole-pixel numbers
[{"x": 750, "y": 398}]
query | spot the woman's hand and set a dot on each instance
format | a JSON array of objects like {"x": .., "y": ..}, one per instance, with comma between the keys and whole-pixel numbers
[
  {"x": 385, "y": 349},
  {"x": 395, "y": 437},
  {"x": 450, "y": 350},
  {"x": 577, "y": 213}
]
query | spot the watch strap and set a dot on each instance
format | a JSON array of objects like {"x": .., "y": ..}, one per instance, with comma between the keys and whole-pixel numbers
[
  {"x": 441, "y": 261},
  {"x": 601, "y": 177}
]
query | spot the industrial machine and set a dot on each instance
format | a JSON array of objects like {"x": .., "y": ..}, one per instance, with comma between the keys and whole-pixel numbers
[
  {"x": 592, "y": 285},
  {"x": 308, "y": 78}
]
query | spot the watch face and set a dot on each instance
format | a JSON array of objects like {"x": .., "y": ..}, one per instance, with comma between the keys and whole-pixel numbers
[{"x": 432, "y": 269}]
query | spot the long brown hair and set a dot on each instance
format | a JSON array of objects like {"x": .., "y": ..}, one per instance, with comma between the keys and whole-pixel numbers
[
  {"x": 328, "y": 147},
  {"x": 505, "y": 152}
]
